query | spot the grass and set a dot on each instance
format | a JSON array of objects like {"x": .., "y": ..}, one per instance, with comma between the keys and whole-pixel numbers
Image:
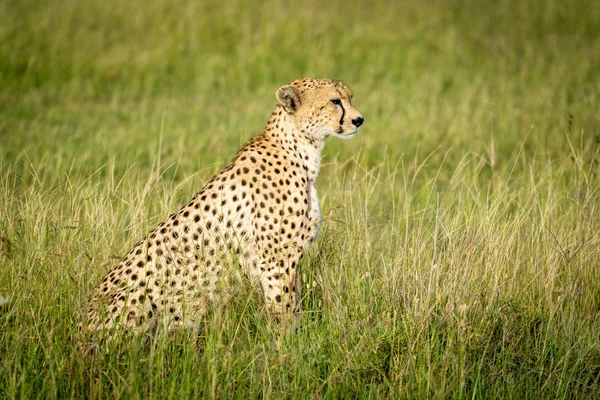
[{"x": 459, "y": 252}]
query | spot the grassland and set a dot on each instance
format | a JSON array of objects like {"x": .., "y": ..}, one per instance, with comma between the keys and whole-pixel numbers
[{"x": 459, "y": 253}]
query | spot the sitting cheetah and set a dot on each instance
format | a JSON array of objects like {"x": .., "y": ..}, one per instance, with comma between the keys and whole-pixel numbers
[{"x": 257, "y": 217}]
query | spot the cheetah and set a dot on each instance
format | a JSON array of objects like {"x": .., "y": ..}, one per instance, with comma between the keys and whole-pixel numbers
[{"x": 256, "y": 218}]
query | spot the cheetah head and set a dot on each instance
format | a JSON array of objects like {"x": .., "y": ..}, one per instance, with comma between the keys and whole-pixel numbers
[{"x": 320, "y": 108}]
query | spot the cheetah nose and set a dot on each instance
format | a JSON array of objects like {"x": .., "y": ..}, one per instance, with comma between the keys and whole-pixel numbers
[{"x": 358, "y": 121}]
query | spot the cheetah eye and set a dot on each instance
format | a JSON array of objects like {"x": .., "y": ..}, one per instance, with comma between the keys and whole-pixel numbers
[{"x": 337, "y": 102}]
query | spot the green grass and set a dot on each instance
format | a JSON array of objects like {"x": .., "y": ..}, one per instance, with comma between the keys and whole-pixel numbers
[{"x": 459, "y": 252}]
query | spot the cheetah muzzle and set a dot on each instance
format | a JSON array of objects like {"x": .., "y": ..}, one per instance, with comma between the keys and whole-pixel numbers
[{"x": 257, "y": 217}]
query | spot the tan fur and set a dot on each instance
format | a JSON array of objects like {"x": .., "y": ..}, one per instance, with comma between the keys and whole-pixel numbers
[{"x": 256, "y": 217}]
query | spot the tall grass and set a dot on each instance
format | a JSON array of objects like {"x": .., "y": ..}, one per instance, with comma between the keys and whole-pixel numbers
[{"x": 459, "y": 251}]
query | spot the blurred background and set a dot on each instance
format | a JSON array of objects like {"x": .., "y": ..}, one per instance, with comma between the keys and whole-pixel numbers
[{"x": 190, "y": 81}]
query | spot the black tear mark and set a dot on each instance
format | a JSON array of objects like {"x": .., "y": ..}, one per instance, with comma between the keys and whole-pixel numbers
[{"x": 343, "y": 114}]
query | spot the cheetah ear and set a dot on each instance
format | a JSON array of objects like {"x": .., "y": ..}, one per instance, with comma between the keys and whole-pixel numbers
[{"x": 288, "y": 98}]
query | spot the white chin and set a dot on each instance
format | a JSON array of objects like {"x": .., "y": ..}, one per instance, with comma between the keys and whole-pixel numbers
[{"x": 347, "y": 136}]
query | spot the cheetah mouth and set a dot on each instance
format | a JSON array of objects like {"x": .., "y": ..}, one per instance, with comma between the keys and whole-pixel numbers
[{"x": 341, "y": 132}]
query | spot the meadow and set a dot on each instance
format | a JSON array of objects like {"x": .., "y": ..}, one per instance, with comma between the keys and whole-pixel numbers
[{"x": 459, "y": 251}]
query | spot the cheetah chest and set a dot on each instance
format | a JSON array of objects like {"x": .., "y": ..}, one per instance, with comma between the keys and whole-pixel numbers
[{"x": 314, "y": 211}]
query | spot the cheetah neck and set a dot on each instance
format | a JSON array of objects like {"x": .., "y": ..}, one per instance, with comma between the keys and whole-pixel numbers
[{"x": 303, "y": 149}]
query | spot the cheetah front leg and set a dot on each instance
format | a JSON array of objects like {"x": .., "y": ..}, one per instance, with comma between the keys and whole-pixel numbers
[{"x": 281, "y": 286}]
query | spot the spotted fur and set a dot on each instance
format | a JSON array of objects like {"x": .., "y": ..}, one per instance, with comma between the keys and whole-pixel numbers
[{"x": 257, "y": 217}]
